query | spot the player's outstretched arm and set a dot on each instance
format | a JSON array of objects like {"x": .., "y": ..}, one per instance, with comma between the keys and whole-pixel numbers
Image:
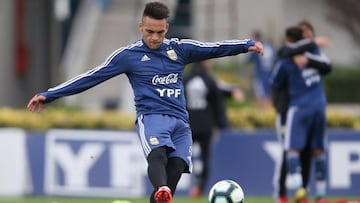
[
  {"x": 36, "y": 103},
  {"x": 258, "y": 48},
  {"x": 322, "y": 41}
]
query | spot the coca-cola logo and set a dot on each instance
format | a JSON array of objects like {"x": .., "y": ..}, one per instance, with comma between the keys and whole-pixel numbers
[{"x": 163, "y": 80}]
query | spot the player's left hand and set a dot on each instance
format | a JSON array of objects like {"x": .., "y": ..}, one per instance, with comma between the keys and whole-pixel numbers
[{"x": 258, "y": 48}]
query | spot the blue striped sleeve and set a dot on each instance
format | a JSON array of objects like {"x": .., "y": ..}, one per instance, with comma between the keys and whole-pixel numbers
[{"x": 195, "y": 50}]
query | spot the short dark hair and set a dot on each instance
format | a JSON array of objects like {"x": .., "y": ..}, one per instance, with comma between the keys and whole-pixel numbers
[
  {"x": 156, "y": 10},
  {"x": 294, "y": 33}
]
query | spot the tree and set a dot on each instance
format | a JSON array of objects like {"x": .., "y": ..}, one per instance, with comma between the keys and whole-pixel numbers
[{"x": 346, "y": 14}]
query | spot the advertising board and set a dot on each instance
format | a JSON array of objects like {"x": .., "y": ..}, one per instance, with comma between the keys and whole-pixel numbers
[{"x": 112, "y": 164}]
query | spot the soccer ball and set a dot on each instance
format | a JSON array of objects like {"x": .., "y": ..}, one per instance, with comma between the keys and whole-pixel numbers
[{"x": 226, "y": 191}]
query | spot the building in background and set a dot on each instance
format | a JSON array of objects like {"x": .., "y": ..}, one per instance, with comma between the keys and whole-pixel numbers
[{"x": 58, "y": 44}]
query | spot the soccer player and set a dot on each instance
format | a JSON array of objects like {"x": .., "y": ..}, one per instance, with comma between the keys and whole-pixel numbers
[
  {"x": 281, "y": 102},
  {"x": 205, "y": 103},
  {"x": 302, "y": 75},
  {"x": 262, "y": 71},
  {"x": 154, "y": 66},
  {"x": 309, "y": 33}
]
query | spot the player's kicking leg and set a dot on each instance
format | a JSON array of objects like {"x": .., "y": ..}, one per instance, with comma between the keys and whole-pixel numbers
[
  {"x": 157, "y": 161},
  {"x": 166, "y": 141},
  {"x": 174, "y": 168}
]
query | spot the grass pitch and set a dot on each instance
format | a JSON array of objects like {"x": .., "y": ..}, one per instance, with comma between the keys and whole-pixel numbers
[
  {"x": 144, "y": 200},
  {"x": 98, "y": 200}
]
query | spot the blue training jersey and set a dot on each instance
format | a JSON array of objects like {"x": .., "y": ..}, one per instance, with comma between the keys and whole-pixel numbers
[
  {"x": 305, "y": 84},
  {"x": 156, "y": 76},
  {"x": 264, "y": 64}
]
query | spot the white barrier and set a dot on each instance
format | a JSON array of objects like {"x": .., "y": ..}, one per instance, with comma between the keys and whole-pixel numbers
[
  {"x": 94, "y": 163},
  {"x": 14, "y": 169}
]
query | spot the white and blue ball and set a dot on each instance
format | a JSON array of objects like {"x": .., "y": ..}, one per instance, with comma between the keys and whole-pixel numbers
[{"x": 226, "y": 191}]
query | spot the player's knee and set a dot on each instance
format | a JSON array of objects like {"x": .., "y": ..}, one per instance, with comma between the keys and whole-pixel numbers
[
  {"x": 177, "y": 165},
  {"x": 158, "y": 155}
]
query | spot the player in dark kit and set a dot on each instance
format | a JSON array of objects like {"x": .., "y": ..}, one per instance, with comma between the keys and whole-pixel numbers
[
  {"x": 306, "y": 114},
  {"x": 154, "y": 66},
  {"x": 205, "y": 97},
  {"x": 206, "y": 112}
]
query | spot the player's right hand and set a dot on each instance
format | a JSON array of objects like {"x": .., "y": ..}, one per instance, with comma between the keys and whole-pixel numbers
[{"x": 36, "y": 103}]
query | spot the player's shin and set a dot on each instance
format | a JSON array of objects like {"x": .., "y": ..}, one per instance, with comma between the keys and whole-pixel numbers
[
  {"x": 294, "y": 178},
  {"x": 157, "y": 161},
  {"x": 174, "y": 169},
  {"x": 320, "y": 169}
]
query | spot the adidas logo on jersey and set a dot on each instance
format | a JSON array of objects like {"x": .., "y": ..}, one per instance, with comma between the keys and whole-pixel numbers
[{"x": 145, "y": 58}]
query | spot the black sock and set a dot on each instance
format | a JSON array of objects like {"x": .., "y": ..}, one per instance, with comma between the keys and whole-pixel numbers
[
  {"x": 157, "y": 161},
  {"x": 174, "y": 169}
]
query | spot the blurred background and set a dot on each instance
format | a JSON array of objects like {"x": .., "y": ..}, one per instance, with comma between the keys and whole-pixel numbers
[{"x": 46, "y": 42}]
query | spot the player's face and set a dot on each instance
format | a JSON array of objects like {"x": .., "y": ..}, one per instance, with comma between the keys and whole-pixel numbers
[
  {"x": 153, "y": 31},
  {"x": 307, "y": 32}
]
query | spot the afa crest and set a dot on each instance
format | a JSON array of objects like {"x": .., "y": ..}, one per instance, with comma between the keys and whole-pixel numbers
[
  {"x": 154, "y": 140},
  {"x": 172, "y": 54}
]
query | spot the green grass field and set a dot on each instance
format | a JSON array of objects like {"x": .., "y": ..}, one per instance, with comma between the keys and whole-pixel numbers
[
  {"x": 176, "y": 200},
  {"x": 98, "y": 200}
]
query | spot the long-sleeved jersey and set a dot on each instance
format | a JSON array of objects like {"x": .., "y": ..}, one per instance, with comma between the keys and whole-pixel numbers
[
  {"x": 305, "y": 84},
  {"x": 156, "y": 76},
  {"x": 281, "y": 98}
]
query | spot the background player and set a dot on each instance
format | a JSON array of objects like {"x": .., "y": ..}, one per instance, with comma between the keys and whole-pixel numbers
[
  {"x": 205, "y": 102},
  {"x": 306, "y": 115},
  {"x": 281, "y": 102},
  {"x": 262, "y": 71}
]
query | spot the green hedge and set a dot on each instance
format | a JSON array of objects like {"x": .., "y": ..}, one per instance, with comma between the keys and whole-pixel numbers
[
  {"x": 62, "y": 118},
  {"x": 252, "y": 118},
  {"x": 343, "y": 85},
  {"x": 246, "y": 118}
]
